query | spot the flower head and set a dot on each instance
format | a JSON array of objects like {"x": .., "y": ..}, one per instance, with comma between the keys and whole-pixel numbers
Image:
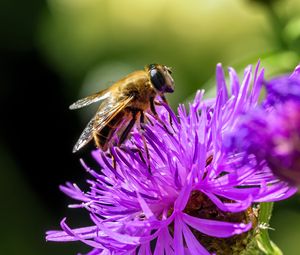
[
  {"x": 191, "y": 193},
  {"x": 271, "y": 132},
  {"x": 283, "y": 88}
]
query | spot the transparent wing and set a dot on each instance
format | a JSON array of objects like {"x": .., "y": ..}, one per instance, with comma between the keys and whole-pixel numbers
[
  {"x": 101, "y": 95},
  {"x": 86, "y": 136},
  {"x": 106, "y": 112}
]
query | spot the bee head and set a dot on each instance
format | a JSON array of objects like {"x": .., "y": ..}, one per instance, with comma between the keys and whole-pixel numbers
[{"x": 161, "y": 79}]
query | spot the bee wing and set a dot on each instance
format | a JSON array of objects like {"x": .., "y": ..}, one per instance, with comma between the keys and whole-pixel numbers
[
  {"x": 107, "y": 112},
  {"x": 101, "y": 95},
  {"x": 104, "y": 115},
  {"x": 86, "y": 135}
]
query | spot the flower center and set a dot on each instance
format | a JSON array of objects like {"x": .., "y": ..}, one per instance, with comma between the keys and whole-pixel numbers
[{"x": 200, "y": 206}]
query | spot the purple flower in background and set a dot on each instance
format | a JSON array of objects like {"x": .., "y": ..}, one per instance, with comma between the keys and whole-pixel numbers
[
  {"x": 192, "y": 196},
  {"x": 271, "y": 132},
  {"x": 283, "y": 88}
]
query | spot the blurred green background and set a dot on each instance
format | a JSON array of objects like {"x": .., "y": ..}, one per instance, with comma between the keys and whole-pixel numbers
[{"x": 54, "y": 52}]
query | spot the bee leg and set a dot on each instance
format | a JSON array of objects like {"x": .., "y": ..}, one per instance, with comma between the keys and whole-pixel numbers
[
  {"x": 136, "y": 150},
  {"x": 114, "y": 162},
  {"x": 148, "y": 119},
  {"x": 153, "y": 110},
  {"x": 166, "y": 102},
  {"x": 96, "y": 139},
  {"x": 142, "y": 121},
  {"x": 127, "y": 130}
]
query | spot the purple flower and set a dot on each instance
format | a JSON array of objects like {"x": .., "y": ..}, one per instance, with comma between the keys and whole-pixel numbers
[
  {"x": 191, "y": 197},
  {"x": 283, "y": 88},
  {"x": 271, "y": 132}
]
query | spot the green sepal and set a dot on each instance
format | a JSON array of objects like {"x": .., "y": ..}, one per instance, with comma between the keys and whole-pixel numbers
[{"x": 261, "y": 244}]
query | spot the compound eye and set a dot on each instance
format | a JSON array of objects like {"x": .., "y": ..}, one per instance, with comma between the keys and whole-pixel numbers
[{"x": 157, "y": 79}]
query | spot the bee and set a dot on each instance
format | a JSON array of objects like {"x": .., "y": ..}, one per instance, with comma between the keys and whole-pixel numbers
[{"x": 123, "y": 104}]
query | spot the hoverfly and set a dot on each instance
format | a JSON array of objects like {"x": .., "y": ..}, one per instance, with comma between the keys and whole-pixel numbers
[{"x": 124, "y": 103}]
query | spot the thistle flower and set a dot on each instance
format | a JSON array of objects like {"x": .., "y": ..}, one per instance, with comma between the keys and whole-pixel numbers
[
  {"x": 271, "y": 132},
  {"x": 191, "y": 199},
  {"x": 283, "y": 88}
]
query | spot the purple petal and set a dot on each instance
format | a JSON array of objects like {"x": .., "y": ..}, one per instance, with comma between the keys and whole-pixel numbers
[
  {"x": 72, "y": 190},
  {"x": 145, "y": 249},
  {"x": 221, "y": 83},
  {"x": 183, "y": 197},
  {"x": 164, "y": 243},
  {"x": 123, "y": 238},
  {"x": 194, "y": 247},
  {"x": 75, "y": 235},
  {"x": 216, "y": 228},
  {"x": 234, "y": 81},
  {"x": 230, "y": 207},
  {"x": 178, "y": 236},
  {"x": 146, "y": 209}
]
